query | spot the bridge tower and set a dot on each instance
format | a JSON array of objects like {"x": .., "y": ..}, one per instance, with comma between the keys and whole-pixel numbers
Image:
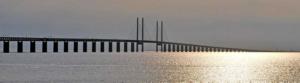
[
  {"x": 161, "y": 36},
  {"x": 140, "y": 42}
]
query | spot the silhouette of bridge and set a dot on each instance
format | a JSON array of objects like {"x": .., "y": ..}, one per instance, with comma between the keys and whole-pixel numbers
[{"x": 136, "y": 45}]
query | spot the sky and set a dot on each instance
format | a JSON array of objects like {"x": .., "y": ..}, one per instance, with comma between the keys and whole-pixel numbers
[{"x": 251, "y": 24}]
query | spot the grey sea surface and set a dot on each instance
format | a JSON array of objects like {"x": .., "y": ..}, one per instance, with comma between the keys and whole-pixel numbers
[{"x": 239, "y": 67}]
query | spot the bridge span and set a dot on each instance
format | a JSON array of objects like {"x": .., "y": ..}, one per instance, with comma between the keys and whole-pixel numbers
[
  {"x": 135, "y": 45},
  {"x": 163, "y": 46}
]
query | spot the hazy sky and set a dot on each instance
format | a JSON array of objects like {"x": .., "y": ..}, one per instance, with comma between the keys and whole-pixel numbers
[{"x": 255, "y": 24}]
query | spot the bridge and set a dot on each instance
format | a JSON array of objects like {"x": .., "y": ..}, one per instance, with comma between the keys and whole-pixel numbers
[{"x": 128, "y": 45}]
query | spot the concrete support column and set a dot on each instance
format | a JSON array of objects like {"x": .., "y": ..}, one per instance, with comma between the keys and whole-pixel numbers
[
  {"x": 75, "y": 47},
  {"x": 137, "y": 47},
  {"x": 110, "y": 46},
  {"x": 190, "y": 48},
  {"x": 20, "y": 46},
  {"x": 164, "y": 47},
  {"x": 32, "y": 46},
  {"x": 177, "y": 48},
  {"x": 94, "y": 46},
  {"x": 6, "y": 46},
  {"x": 55, "y": 46},
  {"x": 181, "y": 48},
  {"x": 44, "y": 46},
  {"x": 118, "y": 47},
  {"x": 84, "y": 49},
  {"x": 156, "y": 47},
  {"x": 169, "y": 48},
  {"x": 206, "y": 49},
  {"x": 202, "y": 49},
  {"x": 132, "y": 47},
  {"x": 125, "y": 47},
  {"x": 173, "y": 47},
  {"x": 186, "y": 48},
  {"x": 102, "y": 47},
  {"x": 161, "y": 47},
  {"x": 66, "y": 46}
]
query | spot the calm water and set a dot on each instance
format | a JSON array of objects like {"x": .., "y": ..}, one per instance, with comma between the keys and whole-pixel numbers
[{"x": 149, "y": 67}]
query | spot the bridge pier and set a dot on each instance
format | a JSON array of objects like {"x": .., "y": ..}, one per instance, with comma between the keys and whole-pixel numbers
[
  {"x": 44, "y": 46},
  {"x": 6, "y": 46},
  {"x": 66, "y": 46},
  {"x": 198, "y": 48},
  {"x": 169, "y": 48},
  {"x": 32, "y": 46},
  {"x": 118, "y": 47},
  {"x": 208, "y": 49},
  {"x": 190, "y": 48},
  {"x": 195, "y": 48},
  {"x": 20, "y": 46},
  {"x": 165, "y": 48},
  {"x": 185, "y": 48},
  {"x": 137, "y": 47},
  {"x": 222, "y": 50},
  {"x": 217, "y": 49},
  {"x": 156, "y": 46},
  {"x": 84, "y": 49},
  {"x": 173, "y": 47},
  {"x": 132, "y": 47},
  {"x": 181, "y": 48},
  {"x": 94, "y": 46},
  {"x": 102, "y": 46},
  {"x": 213, "y": 49},
  {"x": 177, "y": 48},
  {"x": 75, "y": 47},
  {"x": 161, "y": 47},
  {"x": 55, "y": 46},
  {"x": 202, "y": 49},
  {"x": 125, "y": 47},
  {"x": 110, "y": 46}
]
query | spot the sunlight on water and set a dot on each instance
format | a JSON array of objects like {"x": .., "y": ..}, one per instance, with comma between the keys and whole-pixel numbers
[{"x": 150, "y": 67}]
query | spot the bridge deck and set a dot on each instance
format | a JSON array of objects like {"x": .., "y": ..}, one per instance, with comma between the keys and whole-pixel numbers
[{"x": 107, "y": 40}]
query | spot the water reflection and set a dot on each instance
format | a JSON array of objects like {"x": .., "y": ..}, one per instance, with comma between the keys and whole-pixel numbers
[
  {"x": 227, "y": 67},
  {"x": 150, "y": 67}
]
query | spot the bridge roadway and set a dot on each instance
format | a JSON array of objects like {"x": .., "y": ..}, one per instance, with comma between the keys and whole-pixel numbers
[{"x": 171, "y": 46}]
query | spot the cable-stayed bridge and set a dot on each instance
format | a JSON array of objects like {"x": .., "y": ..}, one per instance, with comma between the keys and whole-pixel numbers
[{"x": 114, "y": 45}]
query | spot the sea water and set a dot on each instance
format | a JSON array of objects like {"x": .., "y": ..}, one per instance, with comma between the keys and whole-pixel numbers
[{"x": 214, "y": 67}]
